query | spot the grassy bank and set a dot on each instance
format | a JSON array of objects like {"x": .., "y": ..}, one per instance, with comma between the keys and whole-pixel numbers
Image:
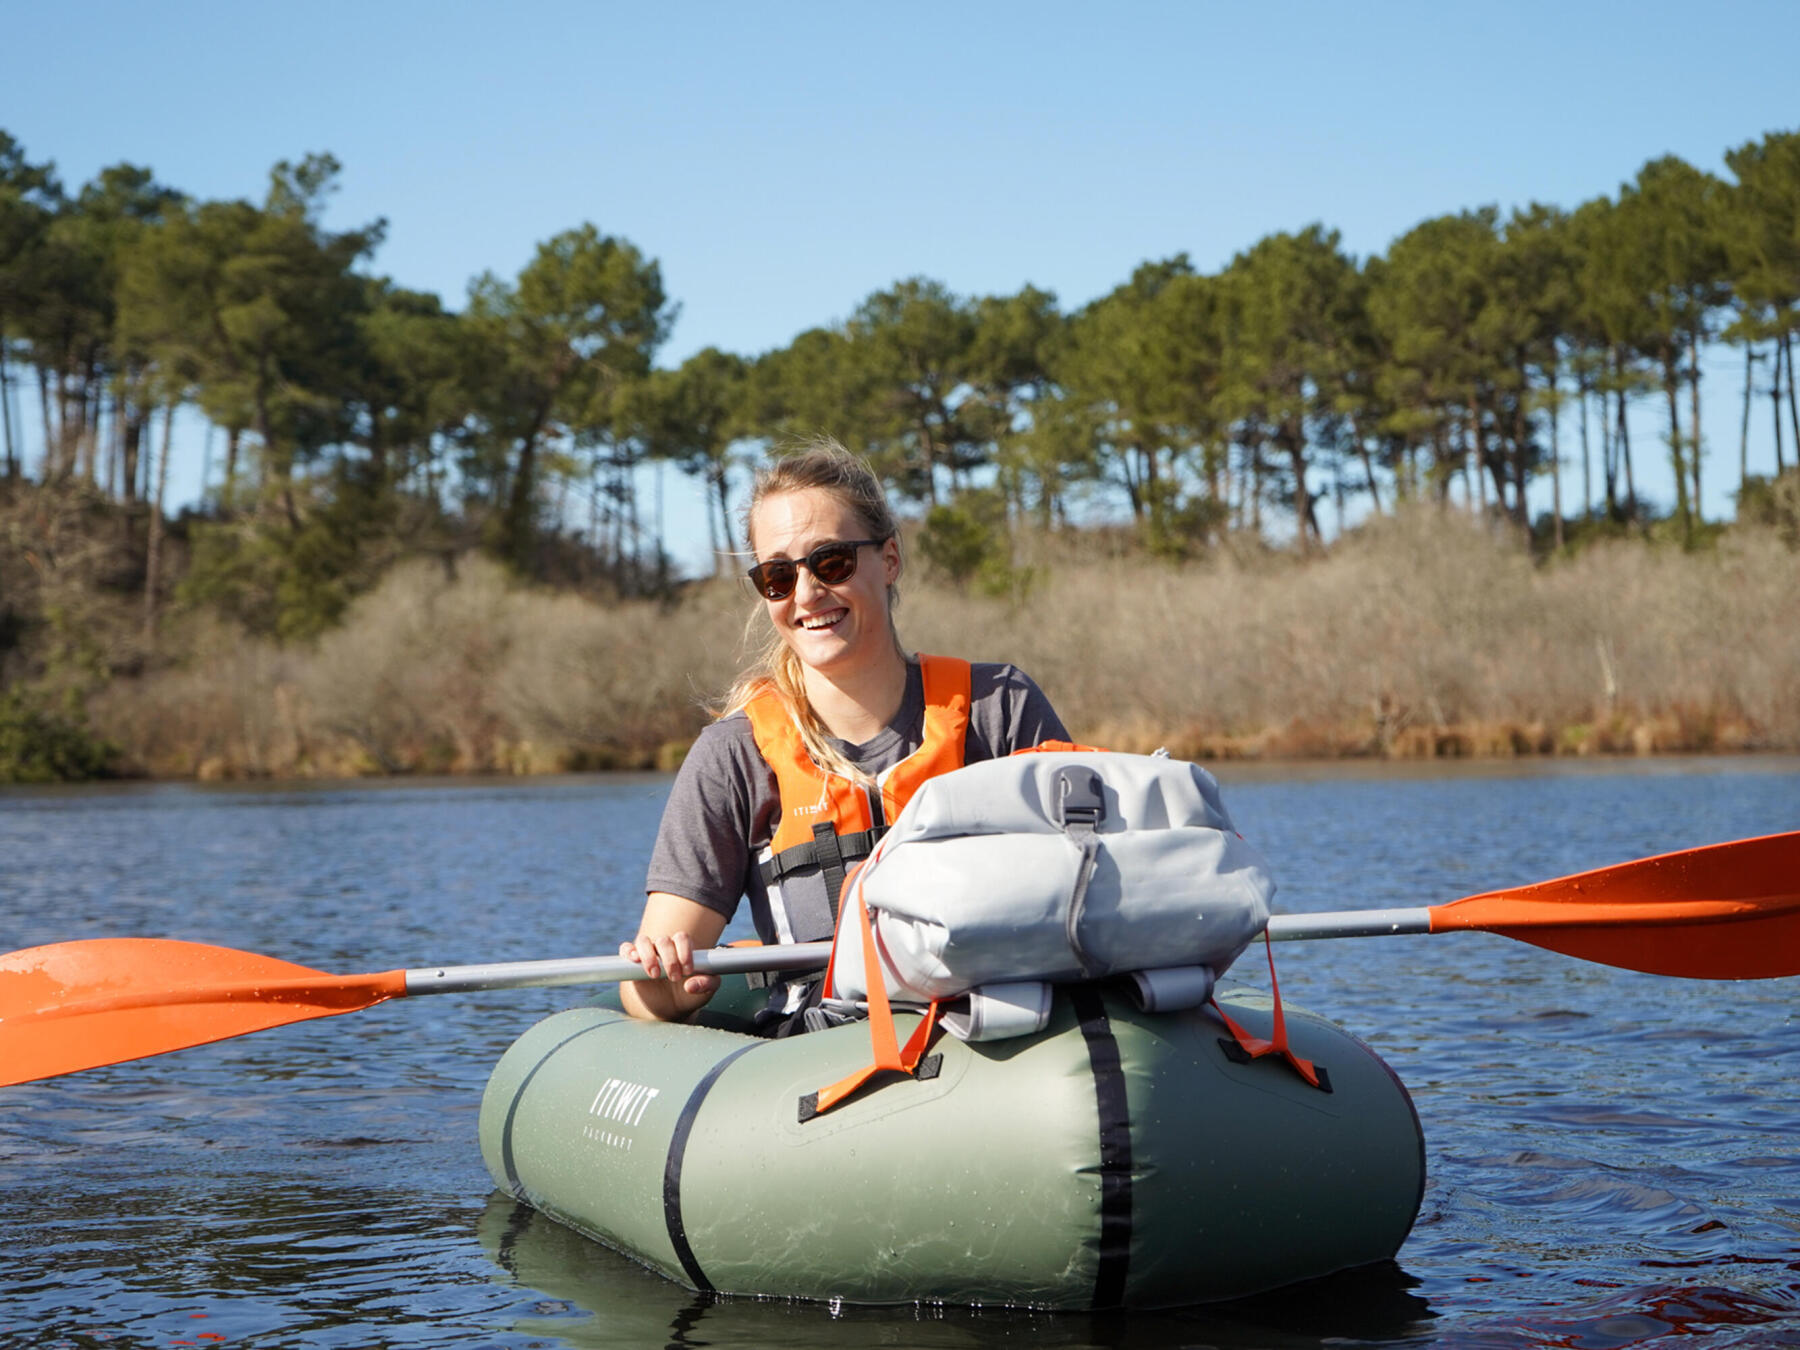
[{"x": 1428, "y": 636}]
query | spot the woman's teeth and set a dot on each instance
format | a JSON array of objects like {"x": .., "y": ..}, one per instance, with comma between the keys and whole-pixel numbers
[{"x": 814, "y": 622}]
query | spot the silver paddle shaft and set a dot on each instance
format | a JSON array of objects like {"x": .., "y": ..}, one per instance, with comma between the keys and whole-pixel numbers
[
  {"x": 814, "y": 955},
  {"x": 609, "y": 969},
  {"x": 1349, "y": 923}
]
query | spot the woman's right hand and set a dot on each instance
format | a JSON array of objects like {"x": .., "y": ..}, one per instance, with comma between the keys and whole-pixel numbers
[{"x": 670, "y": 932}]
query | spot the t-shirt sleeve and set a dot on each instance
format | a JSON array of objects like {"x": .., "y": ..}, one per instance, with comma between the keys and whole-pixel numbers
[
  {"x": 703, "y": 845},
  {"x": 1008, "y": 712}
]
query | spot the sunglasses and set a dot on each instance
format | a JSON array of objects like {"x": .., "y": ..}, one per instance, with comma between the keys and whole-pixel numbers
[{"x": 831, "y": 564}]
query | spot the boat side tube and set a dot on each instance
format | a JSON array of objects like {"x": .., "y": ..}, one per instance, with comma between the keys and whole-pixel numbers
[{"x": 1118, "y": 1158}]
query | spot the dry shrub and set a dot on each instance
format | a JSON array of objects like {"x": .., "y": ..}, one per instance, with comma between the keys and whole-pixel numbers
[
  {"x": 616, "y": 684},
  {"x": 1425, "y": 635},
  {"x": 229, "y": 711},
  {"x": 469, "y": 672},
  {"x": 407, "y": 675},
  {"x": 1429, "y": 634}
]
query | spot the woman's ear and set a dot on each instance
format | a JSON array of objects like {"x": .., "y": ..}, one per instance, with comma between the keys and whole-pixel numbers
[{"x": 890, "y": 558}]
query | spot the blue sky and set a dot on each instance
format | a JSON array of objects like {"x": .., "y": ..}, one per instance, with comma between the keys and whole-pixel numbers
[{"x": 782, "y": 161}]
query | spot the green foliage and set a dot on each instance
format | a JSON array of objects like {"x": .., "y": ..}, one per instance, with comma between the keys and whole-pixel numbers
[
  {"x": 1179, "y": 526},
  {"x": 293, "y": 582},
  {"x": 364, "y": 422},
  {"x": 38, "y": 745},
  {"x": 1773, "y": 504},
  {"x": 967, "y": 541}
]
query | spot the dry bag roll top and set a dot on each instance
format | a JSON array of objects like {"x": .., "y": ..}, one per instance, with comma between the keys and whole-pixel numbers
[{"x": 1053, "y": 866}]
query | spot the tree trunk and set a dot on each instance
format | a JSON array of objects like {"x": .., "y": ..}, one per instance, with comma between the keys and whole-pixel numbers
[
  {"x": 153, "y": 551},
  {"x": 132, "y": 450},
  {"x": 1368, "y": 464},
  {"x": 1442, "y": 472},
  {"x": 12, "y": 458},
  {"x": 1631, "y": 497},
  {"x": 1478, "y": 433},
  {"x": 1744, "y": 430},
  {"x": 1587, "y": 459},
  {"x": 1694, "y": 418},
  {"x": 232, "y": 435},
  {"x": 1677, "y": 461},
  {"x": 1521, "y": 441},
  {"x": 1775, "y": 402},
  {"x": 1556, "y": 501},
  {"x": 1609, "y": 460},
  {"x": 1787, "y": 345},
  {"x": 1255, "y": 489},
  {"x": 1306, "y": 516},
  {"x": 48, "y": 472},
  {"x": 721, "y": 487}
]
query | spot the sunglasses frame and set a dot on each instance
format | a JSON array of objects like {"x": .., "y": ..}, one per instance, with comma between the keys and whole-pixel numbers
[{"x": 808, "y": 562}]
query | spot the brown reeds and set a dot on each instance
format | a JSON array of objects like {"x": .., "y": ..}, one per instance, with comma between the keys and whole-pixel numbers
[{"x": 1430, "y": 635}]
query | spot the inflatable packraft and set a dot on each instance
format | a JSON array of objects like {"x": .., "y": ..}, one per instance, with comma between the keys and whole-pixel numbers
[{"x": 1115, "y": 1158}]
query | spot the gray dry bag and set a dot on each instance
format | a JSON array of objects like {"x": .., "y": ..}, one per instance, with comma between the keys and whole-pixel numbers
[{"x": 1054, "y": 866}]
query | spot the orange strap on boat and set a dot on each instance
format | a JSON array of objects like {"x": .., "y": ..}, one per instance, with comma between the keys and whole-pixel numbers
[
  {"x": 1255, "y": 1047},
  {"x": 884, "y": 1040}
]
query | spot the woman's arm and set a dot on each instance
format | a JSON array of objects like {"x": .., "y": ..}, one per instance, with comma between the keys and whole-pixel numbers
[{"x": 669, "y": 934}]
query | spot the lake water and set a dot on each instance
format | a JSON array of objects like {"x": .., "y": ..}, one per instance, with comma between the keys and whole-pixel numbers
[{"x": 1614, "y": 1158}]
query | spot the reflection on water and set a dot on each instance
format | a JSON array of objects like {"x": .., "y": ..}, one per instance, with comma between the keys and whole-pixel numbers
[
  {"x": 1613, "y": 1157},
  {"x": 601, "y": 1299}
]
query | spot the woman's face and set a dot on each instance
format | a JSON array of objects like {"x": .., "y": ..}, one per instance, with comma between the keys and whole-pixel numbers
[{"x": 830, "y": 628}]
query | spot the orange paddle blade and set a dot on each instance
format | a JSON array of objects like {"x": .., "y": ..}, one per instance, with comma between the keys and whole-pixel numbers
[
  {"x": 78, "y": 1005},
  {"x": 1723, "y": 912}
]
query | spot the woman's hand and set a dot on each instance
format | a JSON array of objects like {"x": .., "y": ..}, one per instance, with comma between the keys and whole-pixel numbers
[{"x": 670, "y": 932}]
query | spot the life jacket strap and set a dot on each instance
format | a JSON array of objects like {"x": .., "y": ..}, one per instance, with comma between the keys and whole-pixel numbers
[{"x": 852, "y": 847}]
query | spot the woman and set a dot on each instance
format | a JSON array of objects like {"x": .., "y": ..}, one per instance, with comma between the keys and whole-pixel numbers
[{"x": 820, "y": 744}]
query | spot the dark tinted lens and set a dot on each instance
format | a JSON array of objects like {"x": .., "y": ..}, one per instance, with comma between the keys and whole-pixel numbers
[
  {"x": 775, "y": 579},
  {"x": 833, "y": 564}
]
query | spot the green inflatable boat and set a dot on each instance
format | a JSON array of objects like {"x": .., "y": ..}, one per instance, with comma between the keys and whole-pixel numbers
[{"x": 1116, "y": 1159}]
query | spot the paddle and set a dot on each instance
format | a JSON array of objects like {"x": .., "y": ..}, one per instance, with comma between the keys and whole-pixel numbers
[
  {"x": 1725, "y": 911},
  {"x": 1721, "y": 912},
  {"x": 77, "y": 1005}
]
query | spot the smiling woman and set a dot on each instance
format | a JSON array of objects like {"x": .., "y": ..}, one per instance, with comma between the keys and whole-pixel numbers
[{"x": 819, "y": 744}]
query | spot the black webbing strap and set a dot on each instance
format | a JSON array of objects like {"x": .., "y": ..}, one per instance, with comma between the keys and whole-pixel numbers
[
  {"x": 1113, "y": 1242},
  {"x": 828, "y": 849},
  {"x": 853, "y": 847}
]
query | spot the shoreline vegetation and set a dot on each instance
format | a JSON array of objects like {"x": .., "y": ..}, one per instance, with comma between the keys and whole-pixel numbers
[
  {"x": 1432, "y": 634},
  {"x": 1292, "y": 508}
]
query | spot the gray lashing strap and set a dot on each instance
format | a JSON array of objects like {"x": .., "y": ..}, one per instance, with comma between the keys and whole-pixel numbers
[{"x": 1080, "y": 807}]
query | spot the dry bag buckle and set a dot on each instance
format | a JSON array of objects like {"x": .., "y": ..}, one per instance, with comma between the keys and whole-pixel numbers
[{"x": 1080, "y": 804}]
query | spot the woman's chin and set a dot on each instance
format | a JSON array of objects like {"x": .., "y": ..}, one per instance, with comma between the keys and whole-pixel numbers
[{"x": 824, "y": 649}]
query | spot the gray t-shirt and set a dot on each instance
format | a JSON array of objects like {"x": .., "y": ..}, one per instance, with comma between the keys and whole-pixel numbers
[{"x": 724, "y": 806}]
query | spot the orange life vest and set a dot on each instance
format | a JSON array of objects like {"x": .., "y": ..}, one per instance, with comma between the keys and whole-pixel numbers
[{"x": 828, "y": 822}]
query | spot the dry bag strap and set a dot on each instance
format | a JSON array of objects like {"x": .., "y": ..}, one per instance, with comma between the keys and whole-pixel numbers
[
  {"x": 1255, "y": 1047},
  {"x": 1080, "y": 806},
  {"x": 889, "y": 1054}
]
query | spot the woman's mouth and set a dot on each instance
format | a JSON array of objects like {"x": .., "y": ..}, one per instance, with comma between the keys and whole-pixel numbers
[{"x": 818, "y": 623}]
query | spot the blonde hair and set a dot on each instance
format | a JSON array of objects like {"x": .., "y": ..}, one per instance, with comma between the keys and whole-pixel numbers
[{"x": 819, "y": 464}]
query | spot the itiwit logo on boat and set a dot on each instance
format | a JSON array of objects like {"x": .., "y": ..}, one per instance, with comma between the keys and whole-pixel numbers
[{"x": 619, "y": 1105}]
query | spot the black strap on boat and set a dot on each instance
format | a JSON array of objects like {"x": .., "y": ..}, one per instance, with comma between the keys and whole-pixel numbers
[
  {"x": 678, "y": 1142},
  {"x": 508, "y": 1161},
  {"x": 1114, "y": 1248}
]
